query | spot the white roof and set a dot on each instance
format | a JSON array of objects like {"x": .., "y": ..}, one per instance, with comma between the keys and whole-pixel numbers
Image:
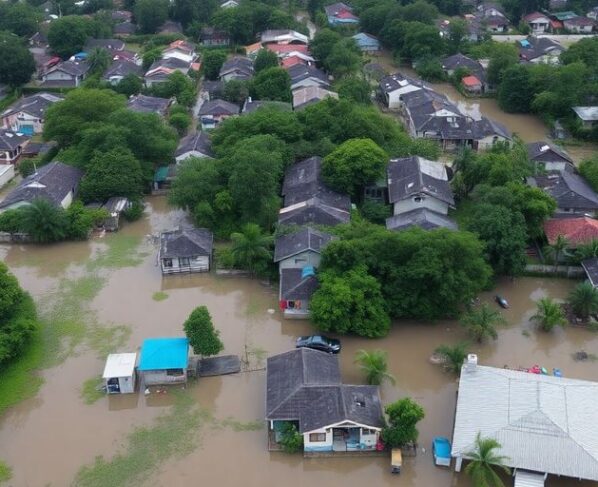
[
  {"x": 524, "y": 478},
  {"x": 543, "y": 423},
  {"x": 587, "y": 113},
  {"x": 120, "y": 365}
]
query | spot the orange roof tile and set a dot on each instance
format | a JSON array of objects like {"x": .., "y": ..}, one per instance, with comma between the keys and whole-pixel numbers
[{"x": 577, "y": 231}]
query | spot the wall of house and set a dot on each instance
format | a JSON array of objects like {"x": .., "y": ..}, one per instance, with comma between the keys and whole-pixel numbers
[
  {"x": 67, "y": 200},
  {"x": 6, "y": 174},
  {"x": 58, "y": 76},
  {"x": 199, "y": 263},
  {"x": 307, "y": 82},
  {"x": 187, "y": 155},
  {"x": 299, "y": 312},
  {"x": 307, "y": 258},
  {"x": 429, "y": 202},
  {"x": 159, "y": 377},
  {"x": 318, "y": 445},
  {"x": 487, "y": 142}
]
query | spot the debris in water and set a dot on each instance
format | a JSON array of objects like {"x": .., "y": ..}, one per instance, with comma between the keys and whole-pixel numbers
[
  {"x": 580, "y": 355},
  {"x": 147, "y": 392},
  {"x": 271, "y": 311}
]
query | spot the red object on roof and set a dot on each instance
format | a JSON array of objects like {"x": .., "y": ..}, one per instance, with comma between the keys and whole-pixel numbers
[
  {"x": 471, "y": 81},
  {"x": 291, "y": 61},
  {"x": 534, "y": 16},
  {"x": 577, "y": 231},
  {"x": 52, "y": 61},
  {"x": 556, "y": 24},
  {"x": 284, "y": 48},
  {"x": 345, "y": 14}
]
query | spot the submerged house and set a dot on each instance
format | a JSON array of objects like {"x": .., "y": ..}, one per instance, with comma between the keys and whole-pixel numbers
[
  {"x": 573, "y": 195},
  {"x": 296, "y": 287},
  {"x": 304, "y": 387},
  {"x": 119, "y": 373},
  {"x": 546, "y": 425},
  {"x": 186, "y": 250},
  {"x": 548, "y": 157},
  {"x": 164, "y": 361}
]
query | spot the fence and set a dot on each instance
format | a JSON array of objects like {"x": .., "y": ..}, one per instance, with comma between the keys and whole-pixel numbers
[
  {"x": 6, "y": 237},
  {"x": 561, "y": 270}
]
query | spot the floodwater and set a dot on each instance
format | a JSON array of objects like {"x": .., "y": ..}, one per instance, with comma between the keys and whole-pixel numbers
[{"x": 47, "y": 439}]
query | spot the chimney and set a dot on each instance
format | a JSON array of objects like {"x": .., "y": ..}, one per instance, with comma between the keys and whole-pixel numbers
[{"x": 471, "y": 363}]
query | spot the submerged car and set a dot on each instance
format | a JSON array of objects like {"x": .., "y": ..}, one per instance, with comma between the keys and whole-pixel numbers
[
  {"x": 319, "y": 342},
  {"x": 502, "y": 302}
]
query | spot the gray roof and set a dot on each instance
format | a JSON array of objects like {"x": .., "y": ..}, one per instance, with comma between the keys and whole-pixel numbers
[
  {"x": 393, "y": 82},
  {"x": 421, "y": 217},
  {"x": 569, "y": 190},
  {"x": 543, "y": 423},
  {"x": 186, "y": 242},
  {"x": 36, "y": 148},
  {"x": 171, "y": 27},
  {"x": 123, "y": 67},
  {"x": 545, "y": 151},
  {"x": 124, "y": 28},
  {"x": 415, "y": 175},
  {"x": 148, "y": 104},
  {"x": 335, "y": 8},
  {"x": 218, "y": 107},
  {"x": 52, "y": 182},
  {"x": 305, "y": 385},
  {"x": 293, "y": 286},
  {"x": 170, "y": 63},
  {"x": 588, "y": 114},
  {"x": 489, "y": 127},
  {"x": 591, "y": 268},
  {"x": 313, "y": 211},
  {"x": 71, "y": 67},
  {"x": 458, "y": 60},
  {"x": 251, "y": 106},
  {"x": 109, "y": 44},
  {"x": 196, "y": 141},
  {"x": 10, "y": 140},
  {"x": 305, "y": 239},
  {"x": 212, "y": 87},
  {"x": 538, "y": 46},
  {"x": 299, "y": 72},
  {"x": 240, "y": 65}
]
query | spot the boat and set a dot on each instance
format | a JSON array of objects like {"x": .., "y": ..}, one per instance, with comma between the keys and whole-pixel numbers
[
  {"x": 502, "y": 302},
  {"x": 441, "y": 447},
  {"x": 396, "y": 460}
]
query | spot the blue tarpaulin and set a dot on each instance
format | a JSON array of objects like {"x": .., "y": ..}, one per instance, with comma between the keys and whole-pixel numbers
[{"x": 164, "y": 353}]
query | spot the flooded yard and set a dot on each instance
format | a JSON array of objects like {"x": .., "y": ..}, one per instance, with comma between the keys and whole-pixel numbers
[{"x": 99, "y": 296}]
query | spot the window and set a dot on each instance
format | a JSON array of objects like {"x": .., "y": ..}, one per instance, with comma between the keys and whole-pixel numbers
[
  {"x": 291, "y": 304},
  {"x": 418, "y": 199},
  {"x": 300, "y": 260},
  {"x": 167, "y": 262},
  {"x": 366, "y": 431},
  {"x": 317, "y": 437},
  {"x": 174, "y": 372},
  {"x": 184, "y": 261}
]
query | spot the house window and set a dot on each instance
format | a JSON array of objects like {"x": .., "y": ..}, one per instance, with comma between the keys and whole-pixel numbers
[
  {"x": 167, "y": 262},
  {"x": 184, "y": 261},
  {"x": 298, "y": 261},
  {"x": 417, "y": 199},
  {"x": 366, "y": 431},
  {"x": 174, "y": 372},
  {"x": 317, "y": 437},
  {"x": 291, "y": 304}
]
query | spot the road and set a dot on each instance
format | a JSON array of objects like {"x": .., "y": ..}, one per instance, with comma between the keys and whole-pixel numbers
[{"x": 565, "y": 39}]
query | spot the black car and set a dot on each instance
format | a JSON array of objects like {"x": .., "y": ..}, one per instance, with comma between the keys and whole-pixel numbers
[{"x": 319, "y": 342}]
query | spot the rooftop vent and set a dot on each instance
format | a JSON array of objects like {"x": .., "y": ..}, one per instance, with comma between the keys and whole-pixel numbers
[
  {"x": 544, "y": 148},
  {"x": 471, "y": 362}
]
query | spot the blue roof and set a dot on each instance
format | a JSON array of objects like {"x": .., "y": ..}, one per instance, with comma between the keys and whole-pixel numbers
[
  {"x": 442, "y": 447},
  {"x": 164, "y": 353}
]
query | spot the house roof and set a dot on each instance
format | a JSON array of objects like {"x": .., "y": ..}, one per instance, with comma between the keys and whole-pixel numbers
[
  {"x": 123, "y": 67},
  {"x": 577, "y": 231},
  {"x": 299, "y": 72},
  {"x": 310, "y": 94},
  {"x": 241, "y": 65},
  {"x": 71, "y": 67},
  {"x": 282, "y": 49},
  {"x": 314, "y": 211},
  {"x": 568, "y": 189},
  {"x": 10, "y": 140},
  {"x": 148, "y": 104},
  {"x": 218, "y": 107},
  {"x": 164, "y": 353},
  {"x": 587, "y": 114},
  {"x": 396, "y": 81},
  {"x": 458, "y": 60},
  {"x": 336, "y": 8},
  {"x": 186, "y": 242},
  {"x": 283, "y": 36},
  {"x": 294, "y": 286},
  {"x": 126, "y": 27},
  {"x": 171, "y": 27},
  {"x": 119, "y": 365},
  {"x": 471, "y": 81},
  {"x": 541, "y": 148},
  {"x": 579, "y": 21},
  {"x": 543, "y": 423},
  {"x": 121, "y": 15},
  {"x": 421, "y": 217},
  {"x": 414, "y": 175},
  {"x": 365, "y": 38},
  {"x": 488, "y": 127},
  {"x": 305, "y": 385},
  {"x": 305, "y": 239},
  {"x": 253, "y": 105},
  {"x": 109, "y": 44},
  {"x": 39, "y": 37},
  {"x": 195, "y": 142},
  {"x": 534, "y": 47},
  {"x": 591, "y": 268},
  {"x": 535, "y": 16},
  {"x": 52, "y": 182}
]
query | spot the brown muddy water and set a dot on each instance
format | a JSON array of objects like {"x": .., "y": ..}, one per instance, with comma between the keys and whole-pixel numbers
[{"x": 47, "y": 439}]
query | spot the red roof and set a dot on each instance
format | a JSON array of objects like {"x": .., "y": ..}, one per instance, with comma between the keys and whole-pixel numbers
[
  {"x": 471, "y": 81},
  {"x": 556, "y": 24},
  {"x": 345, "y": 14},
  {"x": 291, "y": 61},
  {"x": 284, "y": 48},
  {"x": 534, "y": 16},
  {"x": 577, "y": 231}
]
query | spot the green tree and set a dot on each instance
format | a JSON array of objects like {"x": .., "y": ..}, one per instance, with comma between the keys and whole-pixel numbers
[
  {"x": 44, "y": 222},
  {"x": 588, "y": 168},
  {"x": 556, "y": 249},
  {"x": 454, "y": 356},
  {"x": 484, "y": 462},
  {"x": 16, "y": 62},
  {"x": 291, "y": 440},
  {"x": 403, "y": 416},
  {"x": 323, "y": 42},
  {"x": 430, "y": 69},
  {"x": 81, "y": 220},
  {"x": 213, "y": 59},
  {"x": 502, "y": 57},
  {"x": 251, "y": 248},
  {"x": 150, "y": 57},
  {"x": 272, "y": 84},
  {"x": 197, "y": 180},
  {"x": 99, "y": 60},
  {"x": 113, "y": 173},
  {"x": 344, "y": 59},
  {"x": 203, "y": 337},
  {"x": 514, "y": 93},
  {"x": 67, "y": 35},
  {"x": 375, "y": 366},
  {"x": 151, "y": 14},
  {"x": 355, "y": 90},
  {"x": 350, "y": 303},
  {"x": 457, "y": 36},
  {"x": 549, "y": 314},
  {"x": 481, "y": 323},
  {"x": 353, "y": 165},
  {"x": 236, "y": 91},
  {"x": 130, "y": 85},
  {"x": 421, "y": 41},
  {"x": 11, "y": 221},
  {"x": 19, "y": 18},
  {"x": 587, "y": 251},
  {"x": 584, "y": 300},
  {"x": 181, "y": 122},
  {"x": 265, "y": 59},
  {"x": 10, "y": 293}
]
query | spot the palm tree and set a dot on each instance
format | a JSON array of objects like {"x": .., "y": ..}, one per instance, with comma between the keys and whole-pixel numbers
[
  {"x": 251, "y": 248},
  {"x": 481, "y": 323},
  {"x": 375, "y": 366},
  {"x": 484, "y": 460},
  {"x": 454, "y": 355},
  {"x": 584, "y": 300},
  {"x": 43, "y": 221},
  {"x": 557, "y": 249},
  {"x": 98, "y": 60},
  {"x": 587, "y": 251},
  {"x": 549, "y": 314}
]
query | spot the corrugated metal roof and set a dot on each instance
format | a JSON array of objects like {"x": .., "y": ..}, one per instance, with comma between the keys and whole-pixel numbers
[
  {"x": 120, "y": 365},
  {"x": 164, "y": 353},
  {"x": 543, "y": 423},
  {"x": 529, "y": 479}
]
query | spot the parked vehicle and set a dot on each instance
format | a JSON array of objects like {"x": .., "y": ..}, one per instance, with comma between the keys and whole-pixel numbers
[
  {"x": 502, "y": 302},
  {"x": 396, "y": 460},
  {"x": 441, "y": 447},
  {"x": 319, "y": 342}
]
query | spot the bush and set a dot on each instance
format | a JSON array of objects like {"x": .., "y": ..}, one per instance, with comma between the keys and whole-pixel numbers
[
  {"x": 589, "y": 170},
  {"x": 81, "y": 220},
  {"x": 375, "y": 211},
  {"x": 203, "y": 337},
  {"x": 180, "y": 122},
  {"x": 403, "y": 417},
  {"x": 291, "y": 440},
  {"x": 135, "y": 211},
  {"x": 11, "y": 221},
  {"x": 224, "y": 258}
]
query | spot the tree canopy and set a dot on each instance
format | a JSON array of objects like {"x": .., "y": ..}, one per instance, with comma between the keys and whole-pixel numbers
[
  {"x": 67, "y": 35},
  {"x": 403, "y": 416},
  {"x": 16, "y": 62},
  {"x": 272, "y": 84},
  {"x": 203, "y": 337},
  {"x": 151, "y": 14}
]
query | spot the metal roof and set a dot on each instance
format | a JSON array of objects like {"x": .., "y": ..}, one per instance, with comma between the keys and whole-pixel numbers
[
  {"x": 119, "y": 365},
  {"x": 529, "y": 479},
  {"x": 543, "y": 423},
  {"x": 164, "y": 353}
]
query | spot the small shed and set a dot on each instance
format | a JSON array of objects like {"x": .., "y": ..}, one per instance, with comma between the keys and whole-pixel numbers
[
  {"x": 119, "y": 373},
  {"x": 164, "y": 361},
  {"x": 115, "y": 206}
]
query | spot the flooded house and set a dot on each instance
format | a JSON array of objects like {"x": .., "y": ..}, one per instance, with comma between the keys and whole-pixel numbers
[
  {"x": 164, "y": 361},
  {"x": 573, "y": 195},
  {"x": 588, "y": 116},
  {"x": 540, "y": 50},
  {"x": 304, "y": 387},
  {"x": 115, "y": 207},
  {"x": 119, "y": 373},
  {"x": 186, "y": 250},
  {"x": 195, "y": 144},
  {"x": 545, "y": 425},
  {"x": 548, "y": 157},
  {"x": 314, "y": 211}
]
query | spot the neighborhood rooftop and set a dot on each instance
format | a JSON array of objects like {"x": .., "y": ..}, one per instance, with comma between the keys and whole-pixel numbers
[
  {"x": 186, "y": 242},
  {"x": 305, "y": 239}
]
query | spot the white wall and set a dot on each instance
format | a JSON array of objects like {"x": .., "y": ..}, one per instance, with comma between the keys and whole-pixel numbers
[
  {"x": 6, "y": 174},
  {"x": 429, "y": 202},
  {"x": 158, "y": 377},
  {"x": 301, "y": 260},
  {"x": 68, "y": 199},
  {"x": 318, "y": 445},
  {"x": 200, "y": 263},
  {"x": 488, "y": 142}
]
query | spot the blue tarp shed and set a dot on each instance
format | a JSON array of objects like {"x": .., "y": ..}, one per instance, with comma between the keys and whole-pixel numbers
[{"x": 164, "y": 353}]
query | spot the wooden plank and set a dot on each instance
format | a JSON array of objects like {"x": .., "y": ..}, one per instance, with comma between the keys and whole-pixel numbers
[{"x": 227, "y": 364}]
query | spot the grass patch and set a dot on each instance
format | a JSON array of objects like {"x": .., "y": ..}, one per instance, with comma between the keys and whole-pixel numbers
[
  {"x": 91, "y": 392},
  {"x": 5, "y": 472},
  {"x": 122, "y": 252},
  {"x": 236, "y": 425},
  {"x": 159, "y": 296},
  {"x": 525, "y": 333},
  {"x": 172, "y": 435},
  {"x": 107, "y": 339}
]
